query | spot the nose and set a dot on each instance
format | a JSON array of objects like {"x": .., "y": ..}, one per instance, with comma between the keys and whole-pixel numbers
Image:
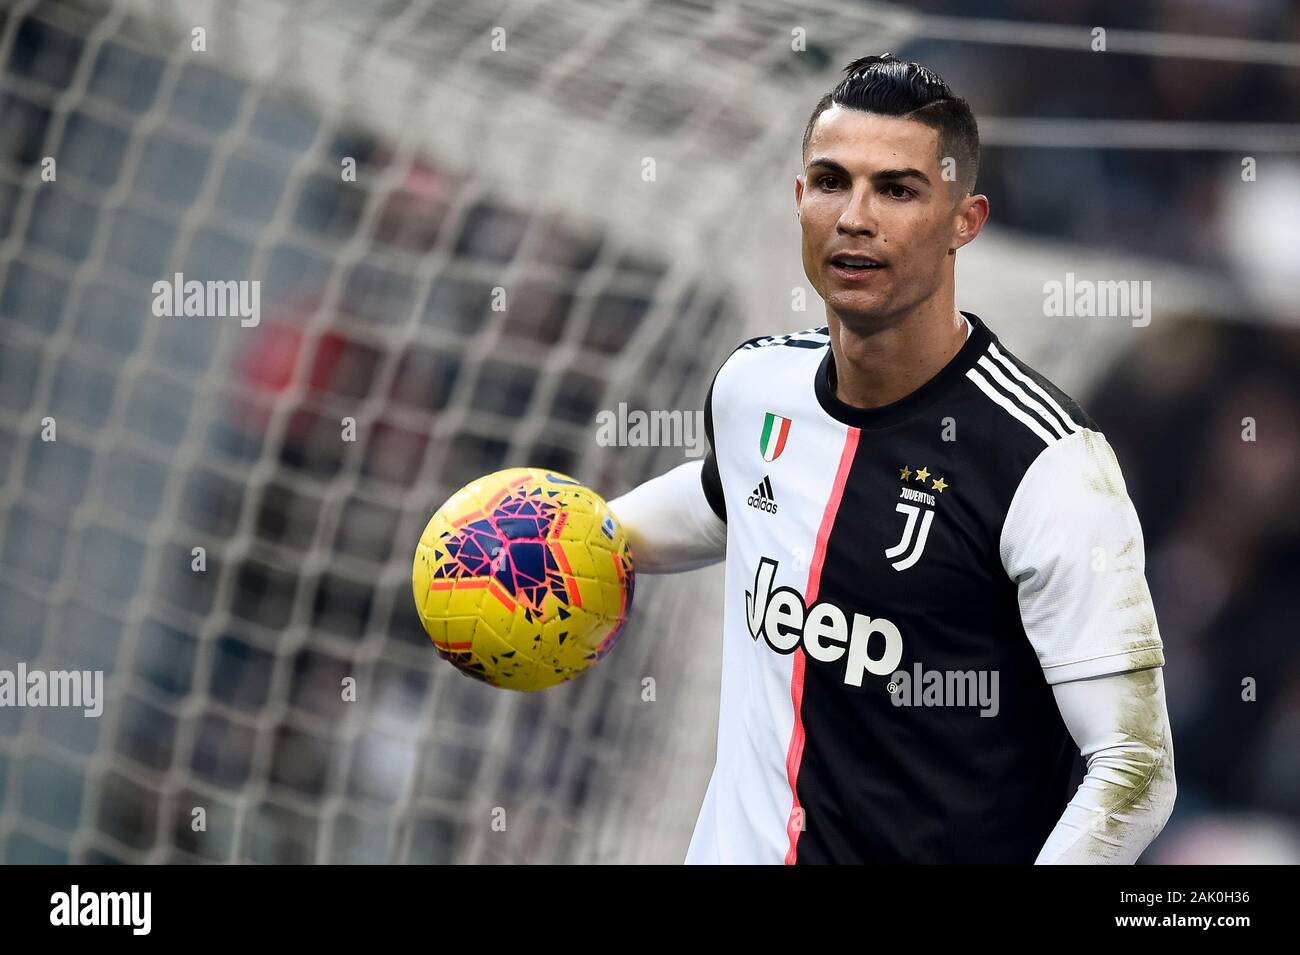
[{"x": 857, "y": 217}]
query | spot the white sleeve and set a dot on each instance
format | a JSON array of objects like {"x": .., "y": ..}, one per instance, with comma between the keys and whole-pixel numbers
[
  {"x": 670, "y": 524},
  {"x": 1073, "y": 545},
  {"x": 1121, "y": 725}
]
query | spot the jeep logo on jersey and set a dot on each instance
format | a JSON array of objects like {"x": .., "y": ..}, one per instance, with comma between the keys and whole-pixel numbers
[
  {"x": 775, "y": 432},
  {"x": 823, "y": 630}
]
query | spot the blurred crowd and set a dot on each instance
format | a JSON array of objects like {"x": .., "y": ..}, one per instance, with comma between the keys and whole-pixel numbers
[
  {"x": 1205, "y": 419},
  {"x": 1164, "y": 202}
]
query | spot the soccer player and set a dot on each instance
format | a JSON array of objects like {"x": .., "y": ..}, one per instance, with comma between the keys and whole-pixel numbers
[{"x": 934, "y": 574}]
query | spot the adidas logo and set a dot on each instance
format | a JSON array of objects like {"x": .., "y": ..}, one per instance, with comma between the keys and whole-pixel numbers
[{"x": 762, "y": 496}]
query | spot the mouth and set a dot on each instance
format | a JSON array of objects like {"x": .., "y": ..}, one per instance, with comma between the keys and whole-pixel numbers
[{"x": 855, "y": 266}]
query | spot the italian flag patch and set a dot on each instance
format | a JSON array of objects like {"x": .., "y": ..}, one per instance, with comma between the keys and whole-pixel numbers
[{"x": 775, "y": 431}]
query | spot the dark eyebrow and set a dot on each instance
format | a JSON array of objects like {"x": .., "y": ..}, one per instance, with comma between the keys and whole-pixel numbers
[
  {"x": 830, "y": 164},
  {"x": 884, "y": 175},
  {"x": 887, "y": 174}
]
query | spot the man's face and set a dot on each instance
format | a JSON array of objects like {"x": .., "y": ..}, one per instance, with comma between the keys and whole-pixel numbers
[{"x": 872, "y": 186}]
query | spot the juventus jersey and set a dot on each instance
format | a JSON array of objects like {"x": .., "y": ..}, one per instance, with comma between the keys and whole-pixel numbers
[{"x": 904, "y": 584}]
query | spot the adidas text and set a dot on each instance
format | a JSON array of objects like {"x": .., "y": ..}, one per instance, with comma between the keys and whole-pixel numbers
[{"x": 762, "y": 497}]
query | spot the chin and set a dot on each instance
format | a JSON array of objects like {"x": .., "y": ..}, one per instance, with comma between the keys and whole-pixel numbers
[{"x": 856, "y": 308}]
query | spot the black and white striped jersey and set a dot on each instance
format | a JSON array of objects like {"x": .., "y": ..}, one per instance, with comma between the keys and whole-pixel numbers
[{"x": 904, "y": 584}]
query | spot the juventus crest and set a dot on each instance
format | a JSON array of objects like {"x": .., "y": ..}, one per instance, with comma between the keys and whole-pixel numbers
[
  {"x": 912, "y": 544},
  {"x": 918, "y": 508}
]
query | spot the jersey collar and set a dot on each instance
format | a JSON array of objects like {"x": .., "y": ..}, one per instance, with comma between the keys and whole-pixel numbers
[{"x": 902, "y": 409}]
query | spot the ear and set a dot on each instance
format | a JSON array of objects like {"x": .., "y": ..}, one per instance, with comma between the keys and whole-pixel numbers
[
  {"x": 969, "y": 218},
  {"x": 798, "y": 192}
]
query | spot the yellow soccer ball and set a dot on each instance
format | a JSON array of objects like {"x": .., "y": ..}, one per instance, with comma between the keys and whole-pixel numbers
[{"x": 523, "y": 579}]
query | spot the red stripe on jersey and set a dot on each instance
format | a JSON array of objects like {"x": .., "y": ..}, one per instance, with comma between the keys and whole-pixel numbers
[{"x": 795, "y": 754}]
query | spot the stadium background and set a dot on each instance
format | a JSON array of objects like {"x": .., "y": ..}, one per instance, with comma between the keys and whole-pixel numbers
[{"x": 523, "y": 168}]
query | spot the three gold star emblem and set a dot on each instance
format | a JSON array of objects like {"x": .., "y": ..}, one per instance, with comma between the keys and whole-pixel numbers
[{"x": 922, "y": 475}]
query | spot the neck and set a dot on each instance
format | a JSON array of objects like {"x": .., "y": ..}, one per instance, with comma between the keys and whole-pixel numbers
[{"x": 878, "y": 366}]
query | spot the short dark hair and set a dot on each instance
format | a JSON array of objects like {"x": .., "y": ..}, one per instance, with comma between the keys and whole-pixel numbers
[{"x": 891, "y": 87}]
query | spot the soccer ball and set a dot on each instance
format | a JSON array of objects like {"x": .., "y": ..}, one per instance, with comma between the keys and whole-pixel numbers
[{"x": 523, "y": 579}]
